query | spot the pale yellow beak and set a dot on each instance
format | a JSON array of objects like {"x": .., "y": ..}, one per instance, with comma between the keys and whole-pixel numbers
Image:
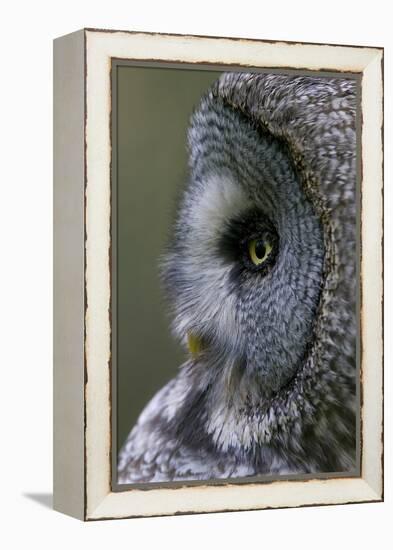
[{"x": 194, "y": 344}]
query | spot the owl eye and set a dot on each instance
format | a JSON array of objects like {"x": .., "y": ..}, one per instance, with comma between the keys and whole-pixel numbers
[
  {"x": 259, "y": 250},
  {"x": 250, "y": 244}
]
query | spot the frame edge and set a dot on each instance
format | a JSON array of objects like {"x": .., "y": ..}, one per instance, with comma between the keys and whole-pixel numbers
[
  {"x": 68, "y": 289},
  {"x": 368, "y": 488}
]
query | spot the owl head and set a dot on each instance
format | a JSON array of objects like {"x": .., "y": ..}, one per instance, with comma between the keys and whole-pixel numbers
[
  {"x": 261, "y": 268},
  {"x": 244, "y": 269}
]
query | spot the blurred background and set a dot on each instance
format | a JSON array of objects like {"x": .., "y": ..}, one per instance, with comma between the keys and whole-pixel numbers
[{"x": 153, "y": 110}]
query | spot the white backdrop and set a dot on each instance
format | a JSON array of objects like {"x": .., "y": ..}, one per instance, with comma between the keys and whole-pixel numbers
[{"x": 26, "y": 271}]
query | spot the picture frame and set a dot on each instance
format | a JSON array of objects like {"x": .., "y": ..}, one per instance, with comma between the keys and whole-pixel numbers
[{"x": 85, "y": 64}]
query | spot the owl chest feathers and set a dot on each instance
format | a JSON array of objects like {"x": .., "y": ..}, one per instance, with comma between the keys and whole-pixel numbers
[{"x": 225, "y": 414}]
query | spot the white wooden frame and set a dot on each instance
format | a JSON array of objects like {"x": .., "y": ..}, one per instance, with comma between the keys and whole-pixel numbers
[{"x": 82, "y": 416}]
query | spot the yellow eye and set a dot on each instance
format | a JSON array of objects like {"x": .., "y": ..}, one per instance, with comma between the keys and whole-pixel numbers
[{"x": 259, "y": 250}]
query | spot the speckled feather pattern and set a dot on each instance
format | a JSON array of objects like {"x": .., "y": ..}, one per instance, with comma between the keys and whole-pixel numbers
[{"x": 273, "y": 390}]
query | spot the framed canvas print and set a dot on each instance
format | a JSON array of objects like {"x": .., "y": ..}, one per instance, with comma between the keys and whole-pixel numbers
[{"x": 218, "y": 274}]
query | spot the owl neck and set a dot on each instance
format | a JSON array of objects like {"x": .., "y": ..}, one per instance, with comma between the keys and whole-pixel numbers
[
  {"x": 238, "y": 410},
  {"x": 226, "y": 412},
  {"x": 225, "y": 408}
]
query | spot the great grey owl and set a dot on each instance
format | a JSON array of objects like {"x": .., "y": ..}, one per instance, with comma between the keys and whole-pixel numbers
[{"x": 261, "y": 279}]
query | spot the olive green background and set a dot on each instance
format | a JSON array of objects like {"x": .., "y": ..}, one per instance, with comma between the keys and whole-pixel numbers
[{"x": 152, "y": 109}]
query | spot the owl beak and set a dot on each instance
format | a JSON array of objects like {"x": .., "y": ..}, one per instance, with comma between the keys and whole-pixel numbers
[{"x": 194, "y": 344}]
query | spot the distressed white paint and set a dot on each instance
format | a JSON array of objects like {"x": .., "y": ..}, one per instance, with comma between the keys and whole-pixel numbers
[
  {"x": 372, "y": 284},
  {"x": 101, "y": 46}
]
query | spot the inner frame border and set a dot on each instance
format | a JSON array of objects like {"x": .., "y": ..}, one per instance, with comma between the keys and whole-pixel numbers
[{"x": 116, "y": 63}]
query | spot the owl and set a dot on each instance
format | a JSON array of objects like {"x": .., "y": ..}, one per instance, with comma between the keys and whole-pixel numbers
[{"x": 260, "y": 275}]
